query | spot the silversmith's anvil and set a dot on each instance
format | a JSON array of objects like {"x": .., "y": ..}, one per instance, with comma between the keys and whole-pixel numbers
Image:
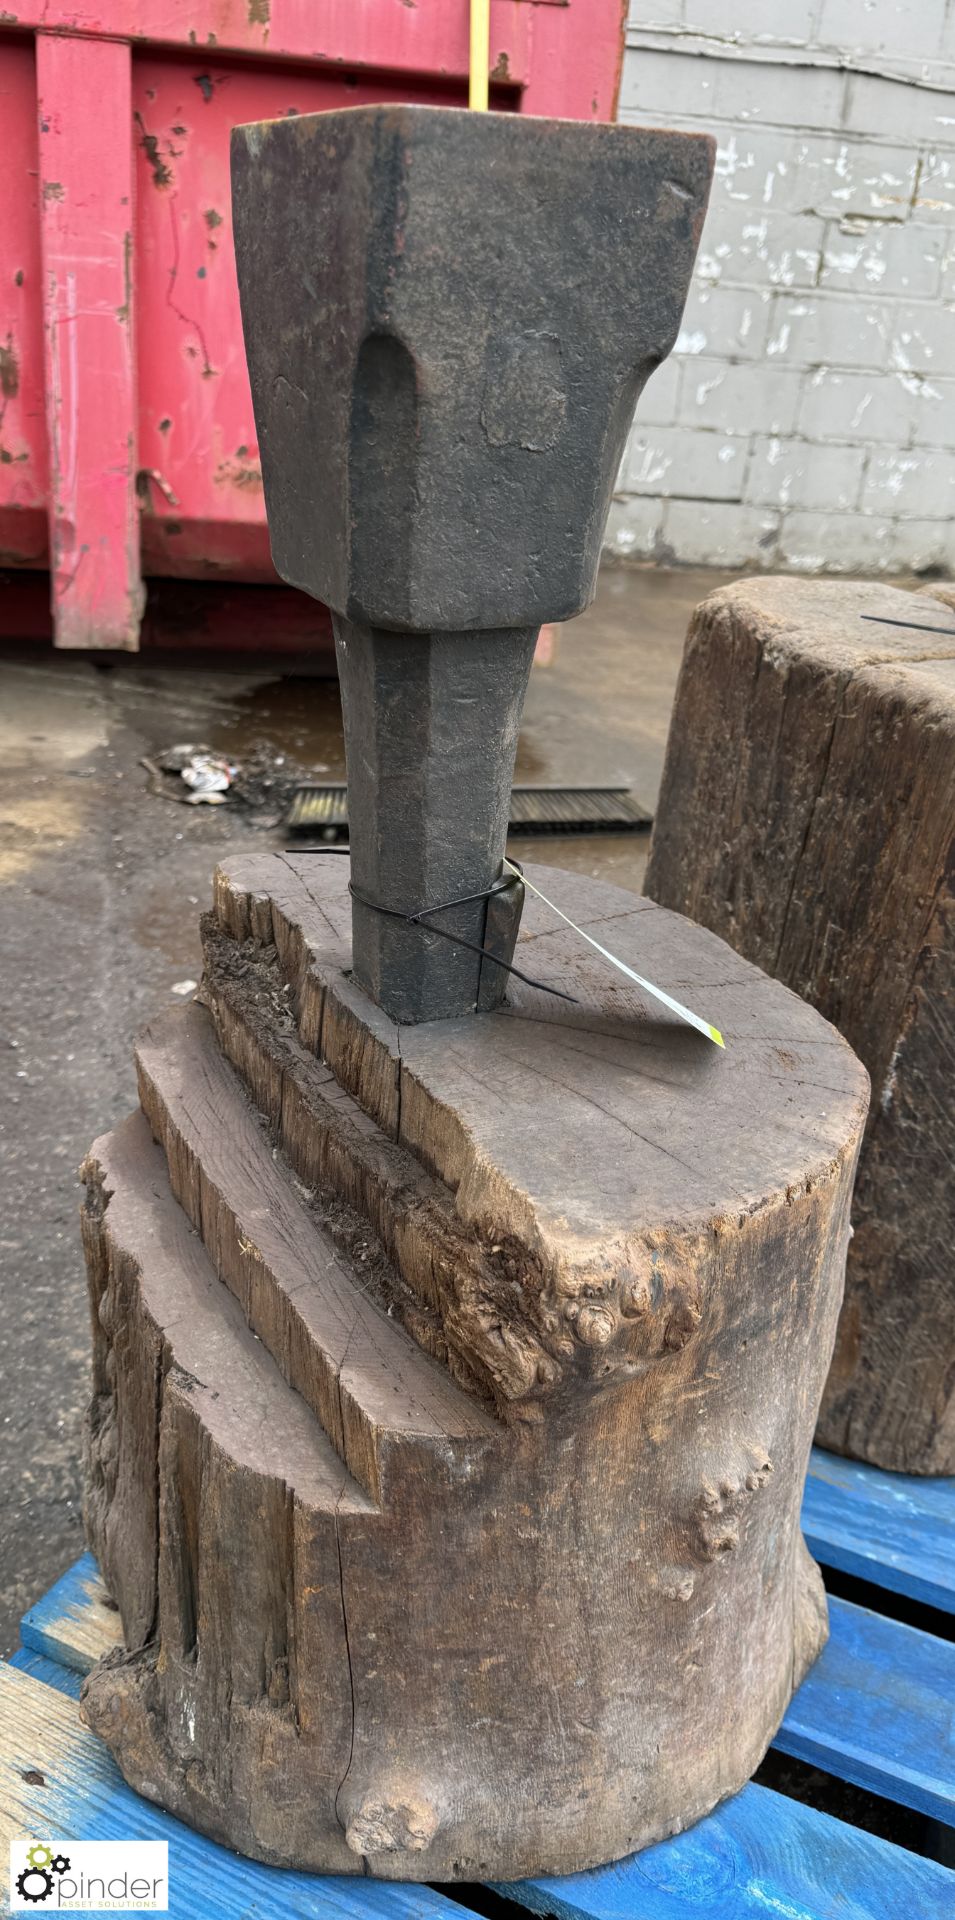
[
  {"x": 448, "y": 318},
  {"x": 454, "y": 1383}
]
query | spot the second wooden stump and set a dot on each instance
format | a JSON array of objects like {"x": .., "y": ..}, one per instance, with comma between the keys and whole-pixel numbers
[{"x": 807, "y": 815}]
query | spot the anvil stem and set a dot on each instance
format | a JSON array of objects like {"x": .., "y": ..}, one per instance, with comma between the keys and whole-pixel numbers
[{"x": 431, "y": 724}]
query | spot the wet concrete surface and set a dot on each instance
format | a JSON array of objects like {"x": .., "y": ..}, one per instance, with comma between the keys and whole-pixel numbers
[{"x": 102, "y": 880}]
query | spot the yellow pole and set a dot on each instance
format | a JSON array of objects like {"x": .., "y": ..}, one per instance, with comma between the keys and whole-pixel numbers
[{"x": 480, "y": 54}]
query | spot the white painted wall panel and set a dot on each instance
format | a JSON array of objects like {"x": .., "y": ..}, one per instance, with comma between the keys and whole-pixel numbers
[{"x": 807, "y": 416}]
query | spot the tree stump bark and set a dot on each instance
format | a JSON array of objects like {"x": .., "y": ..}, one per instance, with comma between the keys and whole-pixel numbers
[
  {"x": 454, "y": 1388},
  {"x": 807, "y": 815}
]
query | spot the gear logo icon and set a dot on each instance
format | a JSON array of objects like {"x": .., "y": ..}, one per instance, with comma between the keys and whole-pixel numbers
[
  {"x": 36, "y": 1882},
  {"x": 42, "y": 1881}
]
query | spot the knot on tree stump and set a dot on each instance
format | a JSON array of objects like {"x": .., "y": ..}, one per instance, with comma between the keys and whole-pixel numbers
[{"x": 390, "y": 1827}]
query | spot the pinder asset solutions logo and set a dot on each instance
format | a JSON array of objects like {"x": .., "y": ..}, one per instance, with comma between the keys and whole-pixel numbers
[{"x": 89, "y": 1876}]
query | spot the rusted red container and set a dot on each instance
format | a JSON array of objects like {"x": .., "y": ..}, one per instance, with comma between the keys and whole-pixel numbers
[{"x": 127, "y": 443}]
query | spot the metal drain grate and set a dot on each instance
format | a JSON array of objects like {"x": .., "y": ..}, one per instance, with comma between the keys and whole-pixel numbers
[
  {"x": 576, "y": 810},
  {"x": 323, "y": 810}
]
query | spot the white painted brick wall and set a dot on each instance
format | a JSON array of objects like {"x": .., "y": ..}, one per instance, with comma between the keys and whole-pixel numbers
[{"x": 807, "y": 416}]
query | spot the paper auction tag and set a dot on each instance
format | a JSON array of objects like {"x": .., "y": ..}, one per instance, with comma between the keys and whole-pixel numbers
[{"x": 692, "y": 1019}]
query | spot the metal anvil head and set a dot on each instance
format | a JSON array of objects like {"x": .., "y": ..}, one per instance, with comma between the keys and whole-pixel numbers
[{"x": 448, "y": 319}]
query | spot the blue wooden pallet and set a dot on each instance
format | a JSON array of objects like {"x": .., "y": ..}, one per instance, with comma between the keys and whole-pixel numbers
[
  {"x": 889, "y": 1528},
  {"x": 877, "y": 1710}
]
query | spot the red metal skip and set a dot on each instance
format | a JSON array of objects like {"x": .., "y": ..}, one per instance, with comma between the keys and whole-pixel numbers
[{"x": 127, "y": 444}]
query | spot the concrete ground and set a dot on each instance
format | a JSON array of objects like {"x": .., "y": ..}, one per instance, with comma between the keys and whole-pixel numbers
[{"x": 102, "y": 879}]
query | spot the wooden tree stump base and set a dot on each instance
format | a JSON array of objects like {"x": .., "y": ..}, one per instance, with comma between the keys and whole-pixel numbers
[
  {"x": 807, "y": 815},
  {"x": 454, "y": 1388}
]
